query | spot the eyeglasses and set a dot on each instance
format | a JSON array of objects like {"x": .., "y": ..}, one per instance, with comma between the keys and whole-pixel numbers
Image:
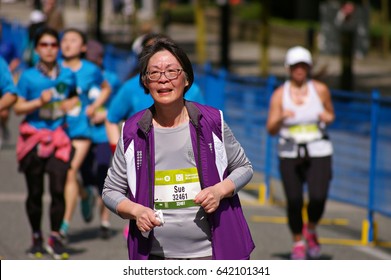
[
  {"x": 47, "y": 44},
  {"x": 170, "y": 74}
]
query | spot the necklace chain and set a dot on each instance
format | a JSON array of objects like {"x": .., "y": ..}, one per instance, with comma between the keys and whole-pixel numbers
[{"x": 299, "y": 94}]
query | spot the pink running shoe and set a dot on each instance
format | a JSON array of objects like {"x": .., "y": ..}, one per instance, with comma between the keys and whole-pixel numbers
[
  {"x": 298, "y": 251},
  {"x": 313, "y": 245},
  {"x": 125, "y": 232}
]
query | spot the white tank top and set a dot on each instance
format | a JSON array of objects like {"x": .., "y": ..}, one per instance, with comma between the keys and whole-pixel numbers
[{"x": 304, "y": 128}]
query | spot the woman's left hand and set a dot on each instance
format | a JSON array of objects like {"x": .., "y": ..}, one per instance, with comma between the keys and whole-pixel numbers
[
  {"x": 326, "y": 117},
  {"x": 99, "y": 117},
  {"x": 209, "y": 198},
  {"x": 68, "y": 104},
  {"x": 90, "y": 111}
]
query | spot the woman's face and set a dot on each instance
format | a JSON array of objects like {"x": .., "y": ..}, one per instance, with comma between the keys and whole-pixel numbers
[
  {"x": 49, "y": 5},
  {"x": 72, "y": 45},
  {"x": 165, "y": 90},
  {"x": 299, "y": 72},
  {"x": 47, "y": 48}
]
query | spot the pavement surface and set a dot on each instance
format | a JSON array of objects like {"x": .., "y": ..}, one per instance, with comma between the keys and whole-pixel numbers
[{"x": 340, "y": 230}]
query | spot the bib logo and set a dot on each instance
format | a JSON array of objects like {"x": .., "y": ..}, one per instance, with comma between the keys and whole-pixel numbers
[
  {"x": 58, "y": 91},
  {"x": 61, "y": 87},
  {"x": 179, "y": 177}
]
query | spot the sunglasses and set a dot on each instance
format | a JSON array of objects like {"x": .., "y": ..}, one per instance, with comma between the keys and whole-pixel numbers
[{"x": 46, "y": 44}]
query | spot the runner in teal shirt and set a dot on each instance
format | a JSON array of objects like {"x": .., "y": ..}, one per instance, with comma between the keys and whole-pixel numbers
[
  {"x": 97, "y": 161},
  {"x": 46, "y": 92},
  {"x": 93, "y": 91}
]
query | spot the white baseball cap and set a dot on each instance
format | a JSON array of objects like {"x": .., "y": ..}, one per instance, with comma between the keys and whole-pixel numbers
[
  {"x": 296, "y": 55},
  {"x": 37, "y": 16}
]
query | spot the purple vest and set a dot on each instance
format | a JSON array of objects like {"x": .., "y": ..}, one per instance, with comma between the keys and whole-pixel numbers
[{"x": 231, "y": 237}]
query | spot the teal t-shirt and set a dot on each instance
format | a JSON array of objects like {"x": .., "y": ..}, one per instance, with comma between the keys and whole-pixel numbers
[
  {"x": 31, "y": 84},
  {"x": 6, "y": 81},
  {"x": 98, "y": 131},
  {"x": 89, "y": 77}
]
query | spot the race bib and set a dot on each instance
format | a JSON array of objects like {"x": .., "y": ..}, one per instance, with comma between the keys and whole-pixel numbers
[
  {"x": 51, "y": 111},
  {"x": 305, "y": 133},
  {"x": 176, "y": 188},
  {"x": 75, "y": 111}
]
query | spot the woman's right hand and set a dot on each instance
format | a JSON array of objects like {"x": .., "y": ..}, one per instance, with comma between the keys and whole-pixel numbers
[
  {"x": 69, "y": 104},
  {"x": 287, "y": 114},
  {"x": 145, "y": 218},
  {"x": 46, "y": 96}
]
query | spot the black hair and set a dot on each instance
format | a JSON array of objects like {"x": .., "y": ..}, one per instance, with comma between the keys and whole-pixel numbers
[
  {"x": 162, "y": 44},
  {"x": 151, "y": 36},
  {"x": 45, "y": 31},
  {"x": 78, "y": 31},
  {"x": 147, "y": 38}
]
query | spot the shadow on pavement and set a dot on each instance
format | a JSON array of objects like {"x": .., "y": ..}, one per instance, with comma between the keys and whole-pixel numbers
[
  {"x": 93, "y": 233},
  {"x": 286, "y": 256}
]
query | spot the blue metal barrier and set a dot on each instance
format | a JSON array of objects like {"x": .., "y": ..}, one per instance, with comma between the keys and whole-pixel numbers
[
  {"x": 212, "y": 84},
  {"x": 381, "y": 161},
  {"x": 119, "y": 61},
  {"x": 16, "y": 35}
]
